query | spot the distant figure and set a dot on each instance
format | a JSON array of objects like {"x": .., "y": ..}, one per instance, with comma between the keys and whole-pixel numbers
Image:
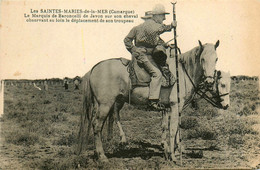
[
  {"x": 34, "y": 85},
  {"x": 66, "y": 83},
  {"x": 76, "y": 84},
  {"x": 45, "y": 85}
]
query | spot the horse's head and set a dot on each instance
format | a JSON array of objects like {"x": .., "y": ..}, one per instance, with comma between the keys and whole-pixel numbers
[
  {"x": 208, "y": 59},
  {"x": 222, "y": 89}
]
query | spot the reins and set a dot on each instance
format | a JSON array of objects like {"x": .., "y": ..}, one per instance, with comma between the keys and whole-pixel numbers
[{"x": 199, "y": 92}]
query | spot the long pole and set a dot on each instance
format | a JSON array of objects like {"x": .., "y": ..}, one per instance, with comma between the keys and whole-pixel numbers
[{"x": 177, "y": 78}]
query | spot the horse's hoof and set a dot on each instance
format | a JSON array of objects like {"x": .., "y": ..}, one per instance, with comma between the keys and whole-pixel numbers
[
  {"x": 109, "y": 139},
  {"x": 165, "y": 147},
  {"x": 103, "y": 159},
  {"x": 180, "y": 149},
  {"x": 123, "y": 141},
  {"x": 173, "y": 158},
  {"x": 122, "y": 144},
  {"x": 162, "y": 145}
]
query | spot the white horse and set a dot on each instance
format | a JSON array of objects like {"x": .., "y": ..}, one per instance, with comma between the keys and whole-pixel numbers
[{"x": 106, "y": 89}]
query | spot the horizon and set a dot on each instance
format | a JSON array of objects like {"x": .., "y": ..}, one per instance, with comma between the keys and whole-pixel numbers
[{"x": 82, "y": 76}]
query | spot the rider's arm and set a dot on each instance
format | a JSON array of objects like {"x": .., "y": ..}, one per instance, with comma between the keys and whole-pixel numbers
[
  {"x": 161, "y": 28},
  {"x": 166, "y": 28},
  {"x": 129, "y": 40}
]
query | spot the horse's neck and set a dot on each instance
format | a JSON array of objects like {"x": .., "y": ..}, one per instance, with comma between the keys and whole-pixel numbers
[
  {"x": 192, "y": 65},
  {"x": 193, "y": 74},
  {"x": 189, "y": 76}
]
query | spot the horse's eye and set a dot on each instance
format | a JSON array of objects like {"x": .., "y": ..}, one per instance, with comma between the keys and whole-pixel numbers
[
  {"x": 216, "y": 59},
  {"x": 223, "y": 85}
]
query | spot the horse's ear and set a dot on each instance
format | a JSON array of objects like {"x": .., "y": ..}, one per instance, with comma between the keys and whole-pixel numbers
[
  {"x": 199, "y": 51},
  {"x": 219, "y": 73},
  {"x": 200, "y": 44},
  {"x": 217, "y": 44}
]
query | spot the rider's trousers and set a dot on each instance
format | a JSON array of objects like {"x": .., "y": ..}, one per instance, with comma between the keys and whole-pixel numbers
[{"x": 156, "y": 75}]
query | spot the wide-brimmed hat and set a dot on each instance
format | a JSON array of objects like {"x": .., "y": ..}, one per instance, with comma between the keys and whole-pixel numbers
[
  {"x": 159, "y": 9},
  {"x": 147, "y": 15}
]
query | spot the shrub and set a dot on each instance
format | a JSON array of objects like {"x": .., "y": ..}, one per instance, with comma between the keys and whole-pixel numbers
[
  {"x": 207, "y": 133},
  {"x": 58, "y": 117},
  {"x": 248, "y": 110},
  {"x": 189, "y": 122},
  {"x": 204, "y": 132},
  {"x": 72, "y": 162},
  {"x": 46, "y": 102},
  {"x": 22, "y": 138},
  {"x": 14, "y": 114},
  {"x": 240, "y": 127},
  {"x": 64, "y": 108},
  {"x": 67, "y": 140},
  {"x": 236, "y": 140}
]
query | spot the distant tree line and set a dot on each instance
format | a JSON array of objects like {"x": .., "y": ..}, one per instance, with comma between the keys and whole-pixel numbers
[
  {"x": 51, "y": 81},
  {"x": 241, "y": 77},
  {"x": 58, "y": 81}
]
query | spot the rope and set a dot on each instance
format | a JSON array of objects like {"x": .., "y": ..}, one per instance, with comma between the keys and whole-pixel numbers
[{"x": 130, "y": 89}]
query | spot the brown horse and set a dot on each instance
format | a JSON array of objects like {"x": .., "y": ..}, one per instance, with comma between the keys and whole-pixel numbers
[{"x": 107, "y": 86}]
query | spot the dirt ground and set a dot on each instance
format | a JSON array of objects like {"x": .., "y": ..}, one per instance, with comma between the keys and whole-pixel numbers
[{"x": 39, "y": 131}]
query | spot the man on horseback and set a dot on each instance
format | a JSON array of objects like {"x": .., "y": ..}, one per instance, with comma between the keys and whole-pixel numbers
[{"x": 147, "y": 43}]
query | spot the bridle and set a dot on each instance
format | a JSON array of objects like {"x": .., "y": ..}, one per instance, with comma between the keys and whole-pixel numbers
[
  {"x": 204, "y": 77},
  {"x": 203, "y": 88},
  {"x": 217, "y": 95}
]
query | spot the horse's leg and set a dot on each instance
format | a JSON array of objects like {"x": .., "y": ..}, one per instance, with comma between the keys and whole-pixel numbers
[
  {"x": 110, "y": 124},
  {"x": 164, "y": 143},
  {"x": 115, "y": 110},
  {"x": 98, "y": 123},
  {"x": 117, "y": 107},
  {"x": 174, "y": 120}
]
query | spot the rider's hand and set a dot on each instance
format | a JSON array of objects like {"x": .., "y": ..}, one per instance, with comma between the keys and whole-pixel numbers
[
  {"x": 174, "y": 24},
  {"x": 135, "y": 54},
  {"x": 171, "y": 45},
  {"x": 133, "y": 50},
  {"x": 140, "y": 50}
]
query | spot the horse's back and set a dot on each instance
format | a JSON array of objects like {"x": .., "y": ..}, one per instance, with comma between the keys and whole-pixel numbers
[{"x": 108, "y": 79}]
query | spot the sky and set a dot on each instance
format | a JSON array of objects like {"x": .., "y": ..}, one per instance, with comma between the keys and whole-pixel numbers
[{"x": 55, "y": 50}]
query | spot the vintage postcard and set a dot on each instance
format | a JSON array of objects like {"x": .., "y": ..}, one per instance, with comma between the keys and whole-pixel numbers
[{"x": 129, "y": 84}]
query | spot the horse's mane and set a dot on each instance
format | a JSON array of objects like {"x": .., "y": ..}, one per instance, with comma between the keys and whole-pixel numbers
[{"x": 189, "y": 57}]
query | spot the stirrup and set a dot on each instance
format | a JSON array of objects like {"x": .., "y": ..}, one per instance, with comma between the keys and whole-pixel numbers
[{"x": 155, "y": 106}]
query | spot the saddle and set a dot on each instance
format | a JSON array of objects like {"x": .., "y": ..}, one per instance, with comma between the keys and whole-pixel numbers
[{"x": 140, "y": 77}]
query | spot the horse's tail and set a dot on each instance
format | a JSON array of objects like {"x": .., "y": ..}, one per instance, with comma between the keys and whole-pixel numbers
[{"x": 86, "y": 116}]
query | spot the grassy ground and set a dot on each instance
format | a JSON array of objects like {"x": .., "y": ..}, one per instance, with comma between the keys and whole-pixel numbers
[{"x": 39, "y": 131}]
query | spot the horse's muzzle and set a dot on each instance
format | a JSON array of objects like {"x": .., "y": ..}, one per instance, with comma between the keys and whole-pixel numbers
[
  {"x": 209, "y": 80},
  {"x": 225, "y": 107},
  {"x": 209, "y": 85}
]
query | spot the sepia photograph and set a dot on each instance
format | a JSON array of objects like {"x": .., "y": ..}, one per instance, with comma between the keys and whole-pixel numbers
[{"x": 129, "y": 84}]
